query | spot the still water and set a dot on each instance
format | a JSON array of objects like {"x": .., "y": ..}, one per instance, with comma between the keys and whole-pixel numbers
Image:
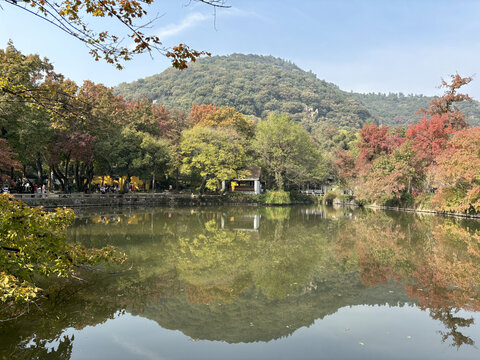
[{"x": 263, "y": 283}]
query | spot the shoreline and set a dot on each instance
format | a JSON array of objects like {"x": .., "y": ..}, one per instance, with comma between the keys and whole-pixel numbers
[
  {"x": 404, "y": 209},
  {"x": 80, "y": 200}
]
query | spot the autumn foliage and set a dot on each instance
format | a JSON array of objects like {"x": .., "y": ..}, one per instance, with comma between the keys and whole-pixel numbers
[
  {"x": 376, "y": 141},
  {"x": 429, "y": 137},
  {"x": 437, "y": 154},
  {"x": 7, "y": 157},
  {"x": 458, "y": 170}
]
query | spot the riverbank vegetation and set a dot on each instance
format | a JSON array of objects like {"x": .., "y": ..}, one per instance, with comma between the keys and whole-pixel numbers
[
  {"x": 34, "y": 247},
  {"x": 433, "y": 163},
  {"x": 62, "y": 135},
  {"x": 58, "y": 133}
]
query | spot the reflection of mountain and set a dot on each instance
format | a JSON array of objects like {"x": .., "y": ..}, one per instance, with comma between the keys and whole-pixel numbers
[
  {"x": 190, "y": 273},
  {"x": 252, "y": 317}
]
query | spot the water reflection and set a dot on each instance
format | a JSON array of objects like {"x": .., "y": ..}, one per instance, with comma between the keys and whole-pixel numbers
[
  {"x": 257, "y": 274},
  {"x": 243, "y": 222}
]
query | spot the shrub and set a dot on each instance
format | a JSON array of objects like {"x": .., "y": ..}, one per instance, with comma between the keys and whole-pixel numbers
[
  {"x": 277, "y": 198},
  {"x": 297, "y": 197},
  {"x": 329, "y": 197},
  {"x": 346, "y": 198}
]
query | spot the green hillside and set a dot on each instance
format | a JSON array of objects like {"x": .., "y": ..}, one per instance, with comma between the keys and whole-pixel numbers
[
  {"x": 399, "y": 109},
  {"x": 254, "y": 85}
]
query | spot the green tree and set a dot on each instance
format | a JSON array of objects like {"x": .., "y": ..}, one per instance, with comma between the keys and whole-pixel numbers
[
  {"x": 155, "y": 157},
  {"x": 214, "y": 154},
  {"x": 227, "y": 116},
  {"x": 287, "y": 152},
  {"x": 23, "y": 119},
  {"x": 33, "y": 245}
]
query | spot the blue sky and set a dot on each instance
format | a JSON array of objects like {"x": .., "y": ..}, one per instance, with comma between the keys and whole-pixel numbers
[{"x": 361, "y": 45}]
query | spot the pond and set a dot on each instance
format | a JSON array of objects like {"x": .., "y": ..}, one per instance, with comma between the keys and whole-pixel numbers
[{"x": 262, "y": 283}]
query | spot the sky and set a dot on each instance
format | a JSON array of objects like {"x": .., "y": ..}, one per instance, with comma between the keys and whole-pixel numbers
[{"x": 364, "y": 46}]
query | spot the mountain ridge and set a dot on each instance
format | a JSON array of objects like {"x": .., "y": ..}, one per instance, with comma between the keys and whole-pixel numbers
[
  {"x": 254, "y": 85},
  {"x": 258, "y": 84}
]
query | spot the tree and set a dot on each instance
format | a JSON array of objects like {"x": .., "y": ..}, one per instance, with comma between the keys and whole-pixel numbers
[
  {"x": 155, "y": 157},
  {"x": 430, "y": 137},
  {"x": 287, "y": 152},
  {"x": 228, "y": 117},
  {"x": 215, "y": 154},
  {"x": 458, "y": 168},
  {"x": 391, "y": 175},
  {"x": 198, "y": 113},
  {"x": 377, "y": 140},
  {"x": 24, "y": 99},
  {"x": 68, "y": 16},
  {"x": 7, "y": 157},
  {"x": 445, "y": 104},
  {"x": 345, "y": 166},
  {"x": 75, "y": 148},
  {"x": 33, "y": 245}
]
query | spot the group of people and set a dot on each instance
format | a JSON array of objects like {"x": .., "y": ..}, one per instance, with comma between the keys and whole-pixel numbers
[
  {"x": 23, "y": 186},
  {"x": 107, "y": 188}
]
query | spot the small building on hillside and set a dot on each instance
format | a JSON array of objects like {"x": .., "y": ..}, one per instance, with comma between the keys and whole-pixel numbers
[{"x": 250, "y": 183}]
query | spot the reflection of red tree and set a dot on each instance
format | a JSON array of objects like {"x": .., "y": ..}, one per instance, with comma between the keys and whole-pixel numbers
[{"x": 440, "y": 267}]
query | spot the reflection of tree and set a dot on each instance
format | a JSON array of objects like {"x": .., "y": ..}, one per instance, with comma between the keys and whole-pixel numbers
[
  {"x": 452, "y": 323},
  {"x": 40, "y": 349},
  {"x": 40, "y": 333},
  {"x": 224, "y": 263},
  {"x": 237, "y": 286},
  {"x": 438, "y": 260}
]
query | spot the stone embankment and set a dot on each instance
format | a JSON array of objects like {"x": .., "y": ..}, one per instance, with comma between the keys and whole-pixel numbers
[
  {"x": 417, "y": 210},
  {"x": 78, "y": 200}
]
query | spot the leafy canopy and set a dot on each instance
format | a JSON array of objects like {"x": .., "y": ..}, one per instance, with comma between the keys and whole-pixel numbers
[
  {"x": 216, "y": 154},
  {"x": 287, "y": 152},
  {"x": 33, "y": 244}
]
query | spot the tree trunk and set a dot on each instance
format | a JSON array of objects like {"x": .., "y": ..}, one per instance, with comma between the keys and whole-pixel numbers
[
  {"x": 202, "y": 186},
  {"x": 77, "y": 177},
  {"x": 153, "y": 182},
  {"x": 50, "y": 179},
  {"x": 39, "y": 168},
  {"x": 177, "y": 175},
  {"x": 67, "y": 162},
  {"x": 126, "y": 183},
  {"x": 60, "y": 177},
  {"x": 89, "y": 174},
  {"x": 279, "y": 180}
]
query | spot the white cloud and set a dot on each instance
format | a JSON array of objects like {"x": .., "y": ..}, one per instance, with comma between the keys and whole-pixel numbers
[
  {"x": 195, "y": 18},
  {"x": 190, "y": 21}
]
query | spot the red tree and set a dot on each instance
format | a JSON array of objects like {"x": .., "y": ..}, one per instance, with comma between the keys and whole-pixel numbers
[
  {"x": 377, "y": 140},
  {"x": 198, "y": 113},
  {"x": 430, "y": 137},
  {"x": 446, "y": 104}
]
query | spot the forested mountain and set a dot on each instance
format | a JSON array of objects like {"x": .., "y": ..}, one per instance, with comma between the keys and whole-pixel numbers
[
  {"x": 254, "y": 85},
  {"x": 399, "y": 109}
]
